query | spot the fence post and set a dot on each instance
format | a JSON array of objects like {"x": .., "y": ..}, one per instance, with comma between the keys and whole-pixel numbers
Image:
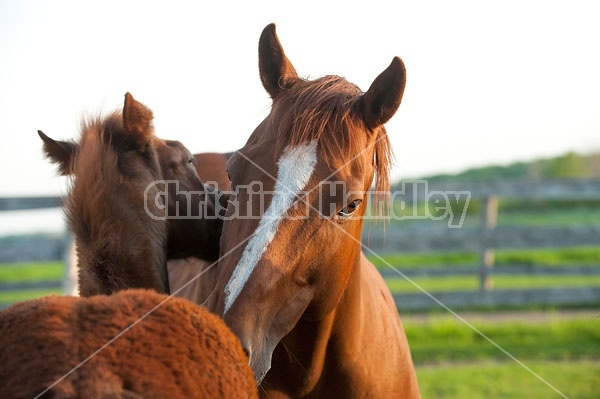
[
  {"x": 70, "y": 278},
  {"x": 489, "y": 220}
]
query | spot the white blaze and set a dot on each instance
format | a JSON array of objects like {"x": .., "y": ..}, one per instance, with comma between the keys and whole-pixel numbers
[{"x": 294, "y": 169}]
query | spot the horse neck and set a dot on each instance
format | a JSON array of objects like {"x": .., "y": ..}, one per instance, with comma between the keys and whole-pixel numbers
[
  {"x": 119, "y": 245},
  {"x": 309, "y": 347},
  {"x": 356, "y": 348}
]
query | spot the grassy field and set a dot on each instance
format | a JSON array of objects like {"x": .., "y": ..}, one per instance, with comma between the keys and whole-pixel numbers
[
  {"x": 14, "y": 272},
  {"x": 8, "y": 297},
  {"x": 578, "y": 256},
  {"x": 500, "y": 282},
  {"x": 585, "y": 255},
  {"x": 451, "y": 359},
  {"x": 44, "y": 271},
  {"x": 29, "y": 272},
  {"x": 557, "y": 339},
  {"x": 575, "y": 380},
  {"x": 454, "y": 361}
]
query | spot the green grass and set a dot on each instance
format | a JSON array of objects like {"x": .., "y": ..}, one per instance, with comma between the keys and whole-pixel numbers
[
  {"x": 443, "y": 340},
  {"x": 451, "y": 359},
  {"x": 15, "y": 272},
  {"x": 454, "y": 361},
  {"x": 8, "y": 297},
  {"x": 29, "y": 272},
  {"x": 586, "y": 255},
  {"x": 565, "y": 217},
  {"x": 438, "y": 259},
  {"x": 576, "y": 380},
  {"x": 551, "y": 257},
  {"x": 500, "y": 282}
]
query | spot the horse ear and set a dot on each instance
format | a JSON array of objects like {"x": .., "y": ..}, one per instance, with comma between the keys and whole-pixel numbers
[
  {"x": 137, "y": 120},
  {"x": 383, "y": 98},
  {"x": 276, "y": 72},
  {"x": 60, "y": 153}
]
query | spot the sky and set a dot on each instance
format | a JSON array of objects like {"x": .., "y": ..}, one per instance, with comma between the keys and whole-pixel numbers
[{"x": 487, "y": 82}]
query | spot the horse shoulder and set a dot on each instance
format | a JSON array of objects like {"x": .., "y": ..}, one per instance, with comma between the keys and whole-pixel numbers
[{"x": 387, "y": 342}]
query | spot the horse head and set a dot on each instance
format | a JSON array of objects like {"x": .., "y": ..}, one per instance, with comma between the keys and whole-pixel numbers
[{"x": 291, "y": 237}]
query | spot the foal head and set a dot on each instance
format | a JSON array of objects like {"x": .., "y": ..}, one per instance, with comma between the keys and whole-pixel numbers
[
  {"x": 117, "y": 193},
  {"x": 315, "y": 157}
]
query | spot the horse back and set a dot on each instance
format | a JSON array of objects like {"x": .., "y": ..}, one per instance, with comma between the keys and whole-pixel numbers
[{"x": 135, "y": 343}]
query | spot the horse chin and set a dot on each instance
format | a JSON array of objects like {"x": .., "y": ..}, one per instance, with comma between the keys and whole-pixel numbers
[
  {"x": 260, "y": 364},
  {"x": 259, "y": 379}
]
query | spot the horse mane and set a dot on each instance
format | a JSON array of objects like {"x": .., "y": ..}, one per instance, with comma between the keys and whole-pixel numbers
[
  {"x": 103, "y": 207},
  {"x": 96, "y": 168},
  {"x": 324, "y": 110}
]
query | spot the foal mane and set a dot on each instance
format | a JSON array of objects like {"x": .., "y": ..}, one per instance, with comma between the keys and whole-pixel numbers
[
  {"x": 103, "y": 201},
  {"x": 325, "y": 110},
  {"x": 88, "y": 190}
]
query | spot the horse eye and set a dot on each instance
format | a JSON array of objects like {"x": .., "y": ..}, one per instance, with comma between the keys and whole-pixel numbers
[
  {"x": 191, "y": 161},
  {"x": 349, "y": 209}
]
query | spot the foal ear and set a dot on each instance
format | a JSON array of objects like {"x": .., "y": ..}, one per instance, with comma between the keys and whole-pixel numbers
[
  {"x": 60, "y": 153},
  {"x": 137, "y": 121},
  {"x": 383, "y": 98},
  {"x": 276, "y": 72}
]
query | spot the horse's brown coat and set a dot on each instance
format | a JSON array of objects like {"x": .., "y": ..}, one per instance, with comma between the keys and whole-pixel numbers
[
  {"x": 179, "y": 350},
  {"x": 314, "y": 314},
  {"x": 119, "y": 245}
]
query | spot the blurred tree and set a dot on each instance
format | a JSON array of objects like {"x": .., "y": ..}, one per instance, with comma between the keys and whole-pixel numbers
[{"x": 568, "y": 166}]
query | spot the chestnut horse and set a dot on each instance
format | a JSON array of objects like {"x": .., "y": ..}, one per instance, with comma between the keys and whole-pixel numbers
[
  {"x": 134, "y": 344},
  {"x": 313, "y": 314},
  {"x": 116, "y": 204}
]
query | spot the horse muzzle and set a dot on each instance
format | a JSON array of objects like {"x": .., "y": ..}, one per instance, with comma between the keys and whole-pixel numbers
[{"x": 259, "y": 361}]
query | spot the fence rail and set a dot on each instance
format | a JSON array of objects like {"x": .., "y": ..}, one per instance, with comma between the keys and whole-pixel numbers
[
  {"x": 536, "y": 270},
  {"x": 28, "y": 203},
  {"x": 34, "y": 248},
  {"x": 471, "y": 239},
  {"x": 579, "y": 189},
  {"x": 488, "y": 237},
  {"x": 482, "y": 299},
  {"x": 484, "y": 239}
]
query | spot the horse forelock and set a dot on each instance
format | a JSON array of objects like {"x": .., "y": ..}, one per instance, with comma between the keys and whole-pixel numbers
[{"x": 324, "y": 110}]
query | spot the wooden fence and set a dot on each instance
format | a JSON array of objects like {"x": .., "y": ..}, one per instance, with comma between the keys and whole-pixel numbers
[
  {"x": 484, "y": 239},
  {"x": 33, "y": 248},
  {"x": 487, "y": 238}
]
